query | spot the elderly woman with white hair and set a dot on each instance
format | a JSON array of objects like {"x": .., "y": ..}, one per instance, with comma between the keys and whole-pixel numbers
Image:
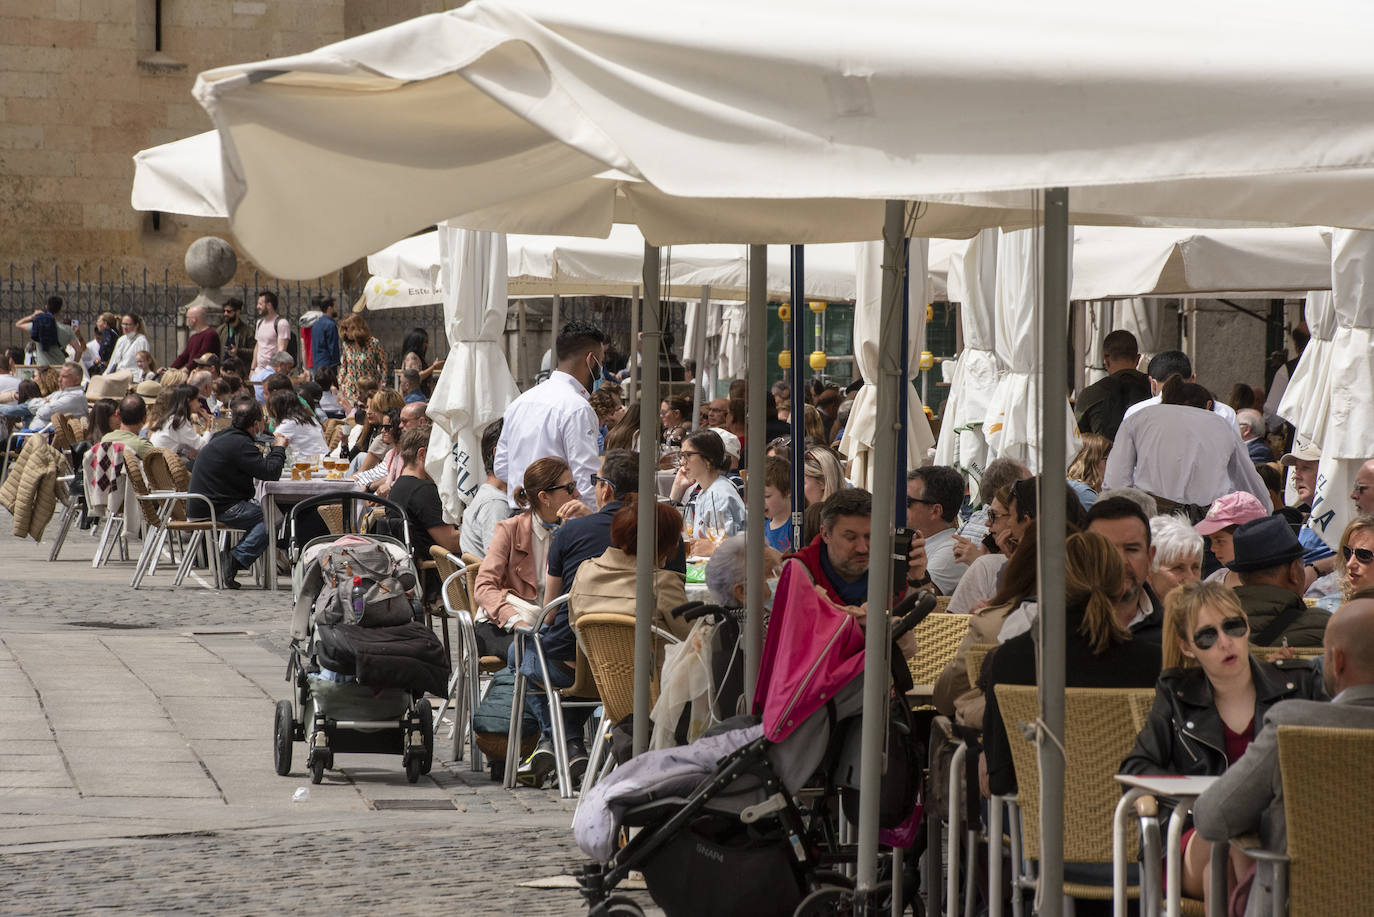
[
  {"x": 1178, "y": 554},
  {"x": 728, "y": 571}
]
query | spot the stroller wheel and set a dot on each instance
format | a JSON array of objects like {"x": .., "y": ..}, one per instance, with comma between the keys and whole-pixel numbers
[
  {"x": 283, "y": 735},
  {"x": 413, "y": 769},
  {"x": 833, "y": 901},
  {"x": 621, "y": 906},
  {"x": 317, "y": 768},
  {"x": 426, "y": 711}
]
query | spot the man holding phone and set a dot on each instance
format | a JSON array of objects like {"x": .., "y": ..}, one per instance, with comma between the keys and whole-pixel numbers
[
  {"x": 838, "y": 557},
  {"x": 934, "y": 495}
]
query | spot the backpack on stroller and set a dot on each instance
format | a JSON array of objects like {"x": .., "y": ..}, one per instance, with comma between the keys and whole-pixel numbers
[
  {"x": 361, "y": 659},
  {"x": 723, "y": 826}
]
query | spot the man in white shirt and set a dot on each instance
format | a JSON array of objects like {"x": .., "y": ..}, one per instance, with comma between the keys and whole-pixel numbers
[
  {"x": 9, "y": 382},
  {"x": 934, "y": 495},
  {"x": 554, "y": 418},
  {"x": 488, "y": 505},
  {"x": 1184, "y": 454},
  {"x": 1163, "y": 365}
]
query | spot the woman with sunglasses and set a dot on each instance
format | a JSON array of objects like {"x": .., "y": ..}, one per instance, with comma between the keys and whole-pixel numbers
[
  {"x": 510, "y": 583},
  {"x": 1211, "y": 698},
  {"x": 1354, "y": 565},
  {"x": 701, "y": 484}
]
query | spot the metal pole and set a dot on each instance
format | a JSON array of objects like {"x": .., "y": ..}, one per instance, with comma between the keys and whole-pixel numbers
[
  {"x": 903, "y": 390},
  {"x": 699, "y": 349},
  {"x": 1053, "y": 393},
  {"x": 798, "y": 397},
  {"x": 522, "y": 373},
  {"x": 648, "y": 501},
  {"x": 756, "y": 445},
  {"x": 632, "y": 383},
  {"x": 876, "y": 642},
  {"x": 555, "y": 321}
]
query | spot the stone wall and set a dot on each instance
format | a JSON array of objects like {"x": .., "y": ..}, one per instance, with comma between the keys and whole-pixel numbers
[{"x": 83, "y": 88}]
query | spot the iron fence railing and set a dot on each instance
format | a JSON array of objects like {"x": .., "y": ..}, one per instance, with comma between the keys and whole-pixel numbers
[{"x": 157, "y": 299}]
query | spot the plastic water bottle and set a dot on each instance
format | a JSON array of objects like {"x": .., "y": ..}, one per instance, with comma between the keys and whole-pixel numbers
[{"x": 358, "y": 600}]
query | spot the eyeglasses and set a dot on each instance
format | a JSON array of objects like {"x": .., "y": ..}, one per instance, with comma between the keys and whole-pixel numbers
[
  {"x": 1206, "y": 637},
  {"x": 684, "y": 455},
  {"x": 1363, "y": 555},
  {"x": 993, "y": 516},
  {"x": 598, "y": 479},
  {"x": 913, "y": 500},
  {"x": 569, "y": 488}
]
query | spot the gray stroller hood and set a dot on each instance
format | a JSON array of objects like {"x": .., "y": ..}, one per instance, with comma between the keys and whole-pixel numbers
[{"x": 679, "y": 771}]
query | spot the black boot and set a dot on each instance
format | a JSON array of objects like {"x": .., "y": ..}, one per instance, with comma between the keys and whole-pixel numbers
[{"x": 228, "y": 569}]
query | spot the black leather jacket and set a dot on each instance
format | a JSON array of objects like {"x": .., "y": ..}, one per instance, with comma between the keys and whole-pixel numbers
[{"x": 1183, "y": 734}]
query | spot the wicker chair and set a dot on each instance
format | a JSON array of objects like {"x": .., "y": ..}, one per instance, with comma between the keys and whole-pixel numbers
[
  {"x": 165, "y": 493},
  {"x": 942, "y": 603},
  {"x": 937, "y": 640},
  {"x": 1330, "y": 817},
  {"x": 1267, "y": 653},
  {"x": 464, "y": 686},
  {"x": 1099, "y": 731}
]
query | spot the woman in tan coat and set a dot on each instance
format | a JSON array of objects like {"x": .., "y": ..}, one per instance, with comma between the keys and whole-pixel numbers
[{"x": 606, "y": 584}]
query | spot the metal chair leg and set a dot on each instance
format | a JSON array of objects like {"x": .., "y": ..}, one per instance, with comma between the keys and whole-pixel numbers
[
  {"x": 517, "y": 715},
  {"x": 68, "y": 517},
  {"x": 956, "y": 819},
  {"x": 995, "y": 859},
  {"x": 188, "y": 556},
  {"x": 560, "y": 740}
]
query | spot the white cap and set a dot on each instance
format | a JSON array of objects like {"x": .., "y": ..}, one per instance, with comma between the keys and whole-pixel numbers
[{"x": 730, "y": 440}]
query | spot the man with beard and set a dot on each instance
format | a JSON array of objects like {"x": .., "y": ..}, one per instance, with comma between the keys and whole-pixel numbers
[
  {"x": 1248, "y": 798},
  {"x": 1125, "y": 525}
]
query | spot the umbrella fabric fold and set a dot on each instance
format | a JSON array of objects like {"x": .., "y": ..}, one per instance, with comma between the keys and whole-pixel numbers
[
  {"x": 475, "y": 384},
  {"x": 1013, "y": 421},
  {"x": 859, "y": 432},
  {"x": 1306, "y": 402},
  {"x": 973, "y": 278}
]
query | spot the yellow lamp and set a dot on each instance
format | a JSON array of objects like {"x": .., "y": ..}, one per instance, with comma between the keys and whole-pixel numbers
[
  {"x": 784, "y": 312},
  {"x": 927, "y": 359},
  {"x": 785, "y": 359},
  {"x": 817, "y": 360}
]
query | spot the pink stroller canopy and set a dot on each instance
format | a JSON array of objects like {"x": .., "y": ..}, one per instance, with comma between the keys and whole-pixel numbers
[{"x": 813, "y": 649}]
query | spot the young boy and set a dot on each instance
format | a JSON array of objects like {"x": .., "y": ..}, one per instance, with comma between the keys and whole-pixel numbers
[{"x": 777, "y": 503}]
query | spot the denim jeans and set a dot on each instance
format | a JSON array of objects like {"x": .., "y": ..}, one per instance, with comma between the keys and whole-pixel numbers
[
  {"x": 246, "y": 515},
  {"x": 562, "y": 677}
]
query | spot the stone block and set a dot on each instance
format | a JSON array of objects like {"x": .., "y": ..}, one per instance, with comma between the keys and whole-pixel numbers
[
  {"x": 27, "y": 779},
  {"x": 71, "y": 138},
  {"x": 21, "y": 137},
  {"x": 25, "y": 84},
  {"x": 28, "y": 9},
  {"x": 43, "y": 59},
  {"x": 122, "y": 35},
  {"x": 61, "y": 33},
  {"x": 66, "y": 9},
  {"x": 17, "y": 30},
  {"x": 101, "y": 11}
]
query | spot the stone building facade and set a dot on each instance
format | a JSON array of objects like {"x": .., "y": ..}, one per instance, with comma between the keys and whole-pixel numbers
[{"x": 85, "y": 84}]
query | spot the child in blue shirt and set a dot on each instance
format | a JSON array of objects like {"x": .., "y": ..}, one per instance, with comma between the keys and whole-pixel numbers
[{"x": 777, "y": 503}]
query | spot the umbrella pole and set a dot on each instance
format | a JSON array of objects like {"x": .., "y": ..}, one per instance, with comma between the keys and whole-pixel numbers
[
  {"x": 1053, "y": 487},
  {"x": 632, "y": 381},
  {"x": 555, "y": 322},
  {"x": 648, "y": 503},
  {"x": 757, "y": 446},
  {"x": 876, "y": 642},
  {"x": 795, "y": 346}
]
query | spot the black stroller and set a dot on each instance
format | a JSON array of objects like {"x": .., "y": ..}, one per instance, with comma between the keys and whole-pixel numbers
[
  {"x": 737, "y": 823},
  {"x": 361, "y": 659}
]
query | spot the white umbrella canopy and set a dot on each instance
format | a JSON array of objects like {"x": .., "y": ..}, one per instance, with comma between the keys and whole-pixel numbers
[
  {"x": 184, "y": 176},
  {"x": 796, "y": 115},
  {"x": 1013, "y": 423},
  {"x": 1347, "y": 439},
  {"x": 1306, "y": 402},
  {"x": 972, "y": 280},
  {"x": 859, "y": 432},
  {"x": 475, "y": 385}
]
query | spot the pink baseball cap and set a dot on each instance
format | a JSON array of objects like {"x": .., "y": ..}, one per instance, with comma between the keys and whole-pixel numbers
[{"x": 1232, "y": 509}]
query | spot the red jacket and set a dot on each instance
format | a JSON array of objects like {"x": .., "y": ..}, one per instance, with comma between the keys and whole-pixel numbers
[
  {"x": 202, "y": 342},
  {"x": 810, "y": 556}
]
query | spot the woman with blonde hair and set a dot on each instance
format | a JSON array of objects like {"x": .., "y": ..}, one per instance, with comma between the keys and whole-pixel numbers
[
  {"x": 1088, "y": 467},
  {"x": 361, "y": 356},
  {"x": 1099, "y": 651},
  {"x": 823, "y": 475},
  {"x": 145, "y": 367},
  {"x": 127, "y": 347},
  {"x": 1211, "y": 700},
  {"x": 1355, "y": 556},
  {"x": 368, "y": 443}
]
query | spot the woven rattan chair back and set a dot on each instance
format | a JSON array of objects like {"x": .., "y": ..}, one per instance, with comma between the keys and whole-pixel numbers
[
  {"x": 942, "y": 603},
  {"x": 1330, "y": 814},
  {"x": 937, "y": 640},
  {"x": 333, "y": 517},
  {"x": 137, "y": 473},
  {"x": 1099, "y": 731},
  {"x": 974, "y": 659},
  {"x": 1267, "y": 653},
  {"x": 473, "y": 564},
  {"x": 166, "y": 472},
  {"x": 62, "y": 433},
  {"x": 608, "y": 641}
]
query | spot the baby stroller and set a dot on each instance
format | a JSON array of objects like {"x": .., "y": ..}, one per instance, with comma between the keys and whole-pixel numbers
[
  {"x": 361, "y": 658},
  {"x": 725, "y": 826}
]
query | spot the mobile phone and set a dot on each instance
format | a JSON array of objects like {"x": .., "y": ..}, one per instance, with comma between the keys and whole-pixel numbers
[{"x": 901, "y": 547}]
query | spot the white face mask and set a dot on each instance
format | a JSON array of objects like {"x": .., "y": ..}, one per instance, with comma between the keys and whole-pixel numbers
[{"x": 772, "y": 584}]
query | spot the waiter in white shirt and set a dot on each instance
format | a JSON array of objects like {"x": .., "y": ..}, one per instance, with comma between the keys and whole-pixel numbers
[
  {"x": 1165, "y": 364},
  {"x": 1182, "y": 453},
  {"x": 554, "y": 418}
]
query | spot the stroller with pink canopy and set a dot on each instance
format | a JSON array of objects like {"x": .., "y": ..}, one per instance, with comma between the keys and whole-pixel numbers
[{"x": 744, "y": 820}]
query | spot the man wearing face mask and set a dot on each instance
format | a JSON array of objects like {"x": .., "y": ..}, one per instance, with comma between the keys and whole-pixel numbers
[{"x": 554, "y": 418}]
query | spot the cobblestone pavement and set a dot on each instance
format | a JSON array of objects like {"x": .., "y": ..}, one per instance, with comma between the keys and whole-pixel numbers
[{"x": 136, "y": 775}]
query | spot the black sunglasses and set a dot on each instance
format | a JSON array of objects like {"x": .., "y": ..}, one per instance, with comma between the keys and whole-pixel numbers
[
  {"x": 911, "y": 500},
  {"x": 598, "y": 479},
  {"x": 568, "y": 488},
  {"x": 1206, "y": 637},
  {"x": 1363, "y": 555}
]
